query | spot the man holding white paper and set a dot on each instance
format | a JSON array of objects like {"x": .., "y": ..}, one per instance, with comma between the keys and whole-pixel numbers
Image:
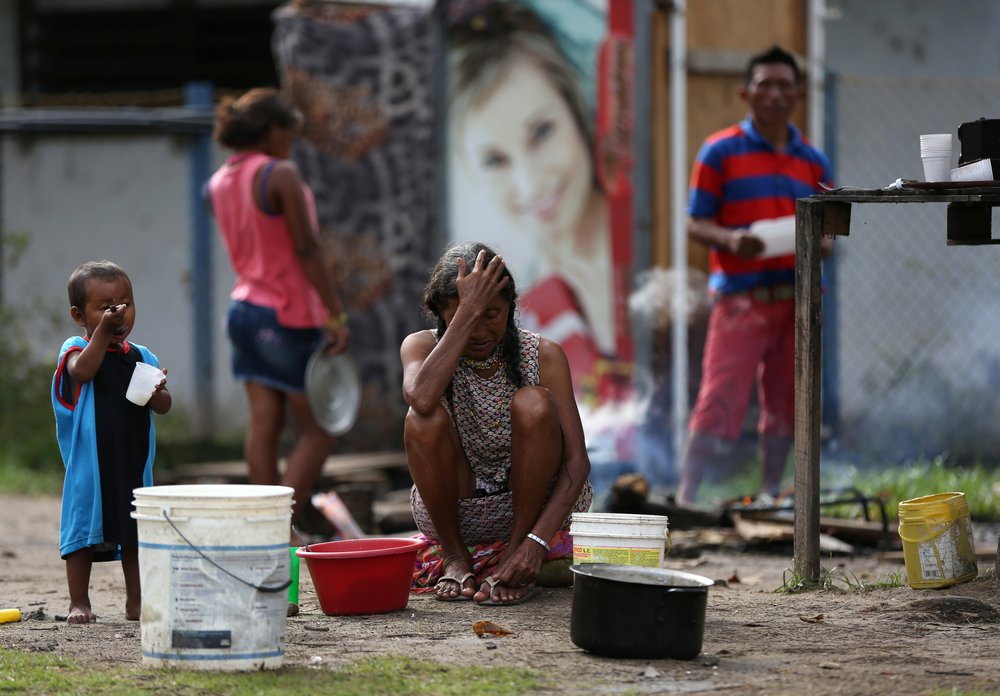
[{"x": 744, "y": 184}]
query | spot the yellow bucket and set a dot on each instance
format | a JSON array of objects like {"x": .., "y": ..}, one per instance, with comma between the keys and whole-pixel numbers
[{"x": 937, "y": 540}]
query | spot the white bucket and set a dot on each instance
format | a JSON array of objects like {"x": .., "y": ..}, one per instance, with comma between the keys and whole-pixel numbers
[
  {"x": 637, "y": 540},
  {"x": 214, "y": 568}
]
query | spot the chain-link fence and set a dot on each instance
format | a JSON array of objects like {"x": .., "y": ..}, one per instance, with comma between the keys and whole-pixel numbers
[{"x": 914, "y": 355}]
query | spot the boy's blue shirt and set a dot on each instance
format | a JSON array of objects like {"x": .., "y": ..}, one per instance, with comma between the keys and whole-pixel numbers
[{"x": 76, "y": 431}]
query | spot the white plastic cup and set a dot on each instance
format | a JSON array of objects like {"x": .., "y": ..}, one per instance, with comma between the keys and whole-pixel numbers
[
  {"x": 935, "y": 153},
  {"x": 935, "y": 143},
  {"x": 937, "y": 167},
  {"x": 145, "y": 377}
]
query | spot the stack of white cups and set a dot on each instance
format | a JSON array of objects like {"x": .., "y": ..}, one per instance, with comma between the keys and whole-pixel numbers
[{"x": 935, "y": 152}]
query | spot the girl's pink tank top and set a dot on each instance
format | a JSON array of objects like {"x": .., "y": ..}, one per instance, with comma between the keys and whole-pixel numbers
[{"x": 260, "y": 246}]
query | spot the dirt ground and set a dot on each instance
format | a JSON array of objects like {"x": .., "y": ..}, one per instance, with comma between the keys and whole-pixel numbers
[{"x": 756, "y": 641}]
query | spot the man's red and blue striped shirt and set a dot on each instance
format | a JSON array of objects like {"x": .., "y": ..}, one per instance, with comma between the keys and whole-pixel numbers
[{"x": 739, "y": 178}]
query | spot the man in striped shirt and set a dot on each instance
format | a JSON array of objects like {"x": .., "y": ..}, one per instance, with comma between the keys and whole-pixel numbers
[{"x": 751, "y": 171}]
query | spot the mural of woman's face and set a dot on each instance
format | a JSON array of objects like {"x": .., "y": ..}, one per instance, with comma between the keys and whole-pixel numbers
[{"x": 523, "y": 140}]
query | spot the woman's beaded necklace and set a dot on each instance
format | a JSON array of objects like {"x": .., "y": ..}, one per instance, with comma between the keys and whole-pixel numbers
[{"x": 486, "y": 363}]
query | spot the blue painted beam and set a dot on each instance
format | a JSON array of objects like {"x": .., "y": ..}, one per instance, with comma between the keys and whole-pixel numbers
[{"x": 199, "y": 96}]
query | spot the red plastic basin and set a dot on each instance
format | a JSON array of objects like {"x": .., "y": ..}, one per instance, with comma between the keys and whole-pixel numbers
[{"x": 361, "y": 576}]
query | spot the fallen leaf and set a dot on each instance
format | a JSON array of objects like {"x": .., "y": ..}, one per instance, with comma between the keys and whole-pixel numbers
[
  {"x": 812, "y": 619},
  {"x": 734, "y": 578},
  {"x": 481, "y": 628},
  {"x": 650, "y": 672}
]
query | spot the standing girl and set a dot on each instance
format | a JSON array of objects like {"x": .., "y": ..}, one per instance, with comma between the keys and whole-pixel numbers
[{"x": 284, "y": 304}]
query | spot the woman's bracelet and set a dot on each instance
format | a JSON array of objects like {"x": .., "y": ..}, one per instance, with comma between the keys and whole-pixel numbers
[
  {"x": 334, "y": 323},
  {"x": 539, "y": 540}
]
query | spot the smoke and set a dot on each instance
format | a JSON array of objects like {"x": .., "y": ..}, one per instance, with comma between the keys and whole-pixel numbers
[{"x": 634, "y": 435}]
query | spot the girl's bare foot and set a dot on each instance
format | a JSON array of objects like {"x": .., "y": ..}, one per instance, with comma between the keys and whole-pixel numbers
[{"x": 80, "y": 614}]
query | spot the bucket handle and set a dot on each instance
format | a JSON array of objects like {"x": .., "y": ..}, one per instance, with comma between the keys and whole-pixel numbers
[
  {"x": 155, "y": 518},
  {"x": 921, "y": 540},
  {"x": 261, "y": 588}
]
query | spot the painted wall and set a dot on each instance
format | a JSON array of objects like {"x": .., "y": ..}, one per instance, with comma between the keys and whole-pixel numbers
[
  {"x": 122, "y": 198},
  {"x": 907, "y": 38}
]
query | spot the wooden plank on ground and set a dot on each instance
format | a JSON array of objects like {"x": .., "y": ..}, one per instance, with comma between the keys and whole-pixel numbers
[
  {"x": 337, "y": 467},
  {"x": 858, "y": 531}
]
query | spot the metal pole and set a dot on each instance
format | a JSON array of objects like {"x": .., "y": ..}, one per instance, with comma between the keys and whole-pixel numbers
[
  {"x": 642, "y": 179},
  {"x": 199, "y": 95},
  {"x": 816, "y": 68},
  {"x": 678, "y": 198}
]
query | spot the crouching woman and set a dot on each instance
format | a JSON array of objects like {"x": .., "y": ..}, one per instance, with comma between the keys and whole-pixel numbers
[{"x": 493, "y": 436}]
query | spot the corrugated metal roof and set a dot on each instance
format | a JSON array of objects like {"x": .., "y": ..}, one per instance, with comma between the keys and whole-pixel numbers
[{"x": 107, "y": 120}]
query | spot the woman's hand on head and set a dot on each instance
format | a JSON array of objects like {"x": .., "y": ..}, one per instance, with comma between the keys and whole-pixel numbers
[{"x": 480, "y": 285}]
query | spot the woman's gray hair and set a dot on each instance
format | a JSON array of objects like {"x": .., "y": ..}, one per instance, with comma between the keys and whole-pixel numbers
[{"x": 442, "y": 287}]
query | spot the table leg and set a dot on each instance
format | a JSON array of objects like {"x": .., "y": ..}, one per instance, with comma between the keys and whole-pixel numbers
[{"x": 808, "y": 341}]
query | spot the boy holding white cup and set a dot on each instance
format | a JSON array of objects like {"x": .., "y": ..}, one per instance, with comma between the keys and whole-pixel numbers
[{"x": 107, "y": 442}]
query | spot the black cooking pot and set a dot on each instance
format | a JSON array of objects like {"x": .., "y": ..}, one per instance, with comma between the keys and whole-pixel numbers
[{"x": 636, "y": 612}]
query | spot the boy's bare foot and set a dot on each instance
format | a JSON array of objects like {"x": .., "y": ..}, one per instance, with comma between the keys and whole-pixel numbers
[
  {"x": 132, "y": 610},
  {"x": 80, "y": 615}
]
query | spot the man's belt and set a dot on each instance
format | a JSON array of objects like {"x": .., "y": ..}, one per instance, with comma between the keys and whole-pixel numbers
[{"x": 767, "y": 293}]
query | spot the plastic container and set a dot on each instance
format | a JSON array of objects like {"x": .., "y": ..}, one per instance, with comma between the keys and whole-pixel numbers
[
  {"x": 214, "y": 567},
  {"x": 634, "y": 540},
  {"x": 361, "y": 576},
  {"x": 938, "y": 547},
  {"x": 10, "y": 615},
  {"x": 293, "y": 589},
  {"x": 145, "y": 377}
]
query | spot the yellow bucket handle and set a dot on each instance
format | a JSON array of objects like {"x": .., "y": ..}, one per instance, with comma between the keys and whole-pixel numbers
[{"x": 928, "y": 523}]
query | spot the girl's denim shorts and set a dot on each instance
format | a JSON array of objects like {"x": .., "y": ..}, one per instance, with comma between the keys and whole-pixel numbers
[{"x": 266, "y": 352}]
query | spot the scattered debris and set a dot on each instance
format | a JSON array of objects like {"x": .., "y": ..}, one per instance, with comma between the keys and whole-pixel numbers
[
  {"x": 709, "y": 660},
  {"x": 819, "y": 618},
  {"x": 482, "y": 628},
  {"x": 955, "y": 609},
  {"x": 650, "y": 672}
]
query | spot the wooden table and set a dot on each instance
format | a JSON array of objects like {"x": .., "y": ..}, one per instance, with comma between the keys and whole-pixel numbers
[{"x": 970, "y": 207}]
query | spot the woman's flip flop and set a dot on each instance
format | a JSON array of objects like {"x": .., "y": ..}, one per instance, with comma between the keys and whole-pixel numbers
[
  {"x": 461, "y": 586},
  {"x": 529, "y": 592}
]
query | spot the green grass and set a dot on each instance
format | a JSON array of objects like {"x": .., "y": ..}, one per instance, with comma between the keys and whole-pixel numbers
[
  {"x": 838, "y": 580},
  {"x": 892, "y": 483},
  {"x": 22, "y": 480},
  {"x": 926, "y": 477},
  {"x": 31, "y": 673}
]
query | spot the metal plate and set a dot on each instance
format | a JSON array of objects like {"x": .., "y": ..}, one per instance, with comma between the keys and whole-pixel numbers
[{"x": 334, "y": 391}]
